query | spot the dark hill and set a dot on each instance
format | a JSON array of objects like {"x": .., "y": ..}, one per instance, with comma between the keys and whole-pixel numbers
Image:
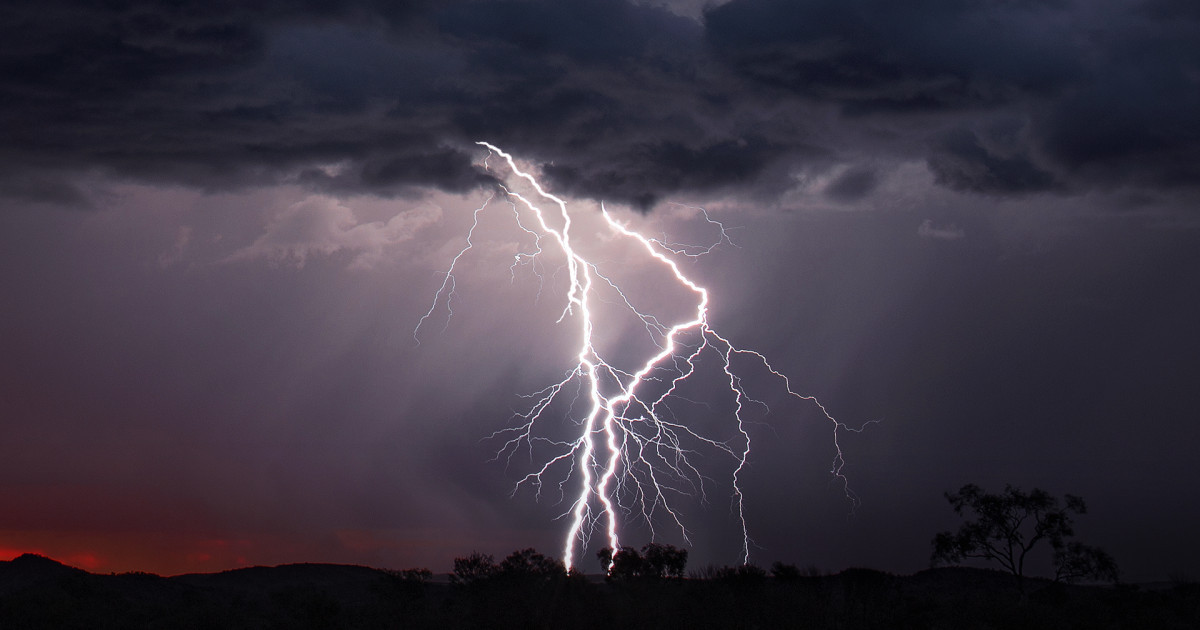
[
  {"x": 30, "y": 570},
  {"x": 342, "y": 581},
  {"x": 37, "y": 592}
]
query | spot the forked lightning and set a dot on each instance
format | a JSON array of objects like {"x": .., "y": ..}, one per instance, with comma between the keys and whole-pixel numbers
[{"x": 632, "y": 454}]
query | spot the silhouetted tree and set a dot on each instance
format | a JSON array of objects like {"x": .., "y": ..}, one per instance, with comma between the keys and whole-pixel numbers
[
  {"x": 625, "y": 564},
  {"x": 1006, "y": 526},
  {"x": 656, "y": 560},
  {"x": 664, "y": 560},
  {"x": 529, "y": 564},
  {"x": 473, "y": 569},
  {"x": 784, "y": 572}
]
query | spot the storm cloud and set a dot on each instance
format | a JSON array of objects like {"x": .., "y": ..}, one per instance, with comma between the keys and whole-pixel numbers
[{"x": 622, "y": 102}]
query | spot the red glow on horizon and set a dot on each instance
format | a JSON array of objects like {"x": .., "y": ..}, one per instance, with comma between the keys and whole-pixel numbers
[
  {"x": 85, "y": 560},
  {"x": 10, "y": 553},
  {"x": 82, "y": 559},
  {"x": 124, "y": 552},
  {"x": 169, "y": 554}
]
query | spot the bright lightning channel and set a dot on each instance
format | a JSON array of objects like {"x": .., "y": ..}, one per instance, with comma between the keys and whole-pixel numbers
[{"x": 632, "y": 454}]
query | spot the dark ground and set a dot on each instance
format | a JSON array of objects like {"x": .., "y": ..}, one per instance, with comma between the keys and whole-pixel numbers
[{"x": 36, "y": 592}]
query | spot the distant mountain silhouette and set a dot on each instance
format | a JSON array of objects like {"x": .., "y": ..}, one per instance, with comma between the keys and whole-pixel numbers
[
  {"x": 29, "y": 570},
  {"x": 38, "y": 592}
]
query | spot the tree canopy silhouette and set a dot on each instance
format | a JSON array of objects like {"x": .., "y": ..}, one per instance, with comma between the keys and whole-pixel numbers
[
  {"x": 529, "y": 564},
  {"x": 656, "y": 560},
  {"x": 1005, "y": 527},
  {"x": 473, "y": 569},
  {"x": 664, "y": 560}
]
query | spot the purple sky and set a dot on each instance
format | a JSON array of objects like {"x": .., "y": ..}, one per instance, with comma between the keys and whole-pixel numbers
[{"x": 975, "y": 222}]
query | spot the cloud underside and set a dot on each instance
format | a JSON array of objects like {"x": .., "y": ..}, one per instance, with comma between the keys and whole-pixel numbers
[
  {"x": 626, "y": 103},
  {"x": 322, "y": 226}
]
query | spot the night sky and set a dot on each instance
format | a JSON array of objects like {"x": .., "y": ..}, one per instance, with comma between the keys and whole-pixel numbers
[{"x": 976, "y": 222}]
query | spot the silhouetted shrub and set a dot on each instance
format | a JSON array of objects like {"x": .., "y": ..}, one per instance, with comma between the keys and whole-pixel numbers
[
  {"x": 784, "y": 572},
  {"x": 473, "y": 569},
  {"x": 742, "y": 573},
  {"x": 415, "y": 576},
  {"x": 529, "y": 564}
]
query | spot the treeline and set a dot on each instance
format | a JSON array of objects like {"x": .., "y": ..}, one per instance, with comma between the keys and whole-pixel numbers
[
  {"x": 1003, "y": 528},
  {"x": 655, "y": 561},
  {"x": 650, "y": 588},
  {"x": 529, "y": 590}
]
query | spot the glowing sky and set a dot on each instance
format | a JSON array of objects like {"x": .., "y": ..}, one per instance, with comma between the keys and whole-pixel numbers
[{"x": 974, "y": 221}]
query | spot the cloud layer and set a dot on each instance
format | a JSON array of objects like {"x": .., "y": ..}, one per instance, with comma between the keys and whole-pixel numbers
[{"x": 624, "y": 102}]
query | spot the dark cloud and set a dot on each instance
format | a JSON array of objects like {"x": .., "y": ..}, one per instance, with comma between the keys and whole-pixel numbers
[
  {"x": 965, "y": 160},
  {"x": 586, "y": 32},
  {"x": 1171, "y": 9},
  {"x": 1111, "y": 91},
  {"x": 447, "y": 168},
  {"x": 622, "y": 101},
  {"x": 852, "y": 185},
  {"x": 881, "y": 56},
  {"x": 209, "y": 95},
  {"x": 639, "y": 176},
  {"x": 1134, "y": 121},
  {"x": 38, "y": 187}
]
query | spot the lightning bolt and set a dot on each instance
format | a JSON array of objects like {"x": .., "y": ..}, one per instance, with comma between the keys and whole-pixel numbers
[{"x": 632, "y": 454}]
